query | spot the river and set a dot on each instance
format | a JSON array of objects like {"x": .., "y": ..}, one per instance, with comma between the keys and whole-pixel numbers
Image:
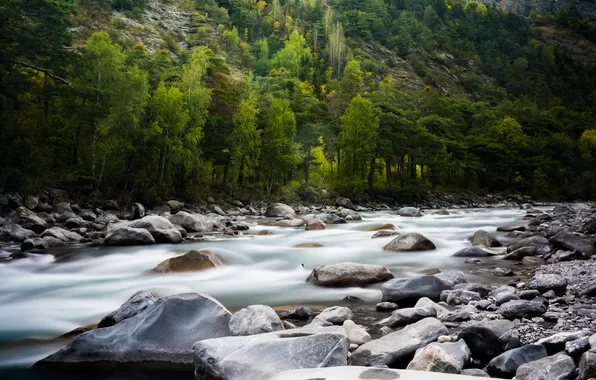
[{"x": 45, "y": 296}]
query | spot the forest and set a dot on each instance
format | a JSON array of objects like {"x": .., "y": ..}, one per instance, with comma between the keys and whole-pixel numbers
[{"x": 291, "y": 98}]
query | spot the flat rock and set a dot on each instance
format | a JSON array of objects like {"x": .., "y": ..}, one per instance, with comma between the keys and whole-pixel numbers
[
  {"x": 160, "y": 337},
  {"x": 475, "y": 251},
  {"x": 409, "y": 291},
  {"x": 380, "y": 227},
  {"x": 556, "y": 367},
  {"x": 398, "y": 348},
  {"x": 506, "y": 364},
  {"x": 189, "y": 262},
  {"x": 382, "y": 234},
  {"x": 410, "y": 242},
  {"x": 259, "y": 357},
  {"x": 348, "y": 274},
  {"x": 510, "y": 228},
  {"x": 520, "y": 253},
  {"x": 255, "y": 319},
  {"x": 532, "y": 241}
]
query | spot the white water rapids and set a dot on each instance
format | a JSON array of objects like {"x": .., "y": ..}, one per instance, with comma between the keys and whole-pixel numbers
[{"x": 45, "y": 296}]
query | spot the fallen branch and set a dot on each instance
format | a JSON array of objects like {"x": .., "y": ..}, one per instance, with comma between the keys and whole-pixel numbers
[{"x": 45, "y": 71}]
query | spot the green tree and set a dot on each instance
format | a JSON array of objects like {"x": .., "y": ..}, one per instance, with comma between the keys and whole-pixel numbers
[
  {"x": 295, "y": 56},
  {"x": 245, "y": 139}
]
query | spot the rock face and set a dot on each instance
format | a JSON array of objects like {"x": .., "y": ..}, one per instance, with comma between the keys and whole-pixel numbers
[
  {"x": 522, "y": 309},
  {"x": 482, "y": 237},
  {"x": 348, "y": 274},
  {"x": 506, "y": 364},
  {"x": 556, "y": 367},
  {"x": 483, "y": 338},
  {"x": 26, "y": 219},
  {"x": 279, "y": 210},
  {"x": 123, "y": 236},
  {"x": 408, "y": 291},
  {"x": 255, "y": 319},
  {"x": 162, "y": 230},
  {"x": 410, "y": 242},
  {"x": 570, "y": 242},
  {"x": 259, "y": 357},
  {"x": 160, "y": 337},
  {"x": 315, "y": 225},
  {"x": 399, "y": 347},
  {"x": 189, "y": 262},
  {"x": 191, "y": 222},
  {"x": 433, "y": 358},
  {"x": 546, "y": 282},
  {"x": 409, "y": 211},
  {"x": 133, "y": 306}
]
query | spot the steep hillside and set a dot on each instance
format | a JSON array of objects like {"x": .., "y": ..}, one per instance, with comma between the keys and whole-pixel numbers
[{"x": 583, "y": 8}]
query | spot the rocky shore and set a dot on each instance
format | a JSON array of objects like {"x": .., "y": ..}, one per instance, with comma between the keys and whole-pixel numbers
[{"x": 540, "y": 325}]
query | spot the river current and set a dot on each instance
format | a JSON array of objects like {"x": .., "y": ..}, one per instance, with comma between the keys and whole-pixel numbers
[{"x": 46, "y": 296}]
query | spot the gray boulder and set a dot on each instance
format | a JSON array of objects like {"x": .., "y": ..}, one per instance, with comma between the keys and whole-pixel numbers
[
  {"x": 556, "y": 367},
  {"x": 397, "y": 348},
  {"x": 133, "y": 306},
  {"x": 409, "y": 291},
  {"x": 433, "y": 358},
  {"x": 458, "y": 349},
  {"x": 577, "y": 347},
  {"x": 424, "y": 302},
  {"x": 570, "y": 242},
  {"x": 485, "y": 338},
  {"x": 546, "y": 282},
  {"x": 486, "y": 239},
  {"x": 160, "y": 337},
  {"x": 329, "y": 218},
  {"x": 356, "y": 334},
  {"x": 259, "y": 357},
  {"x": 518, "y": 309},
  {"x": 452, "y": 277},
  {"x": 336, "y": 315},
  {"x": 300, "y": 312},
  {"x": 279, "y": 210},
  {"x": 409, "y": 315},
  {"x": 191, "y": 222},
  {"x": 409, "y": 212},
  {"x": 62, "y": 234},
  {"x": 255, "y": 319},
  {"x": 344, "y": 202},
  {"x": 16, "y": 233},
  {"x": 162, "y": 230},
  {"x": 125, "y": 236},
  {"x": 348, "y": 274},
  {"x": 462, "y": 297},
  {"x": 506, "y": 364},
  {"x": 26, "y": 219},
  {"x": 314, "y": 224},
  {"x": 410, "y": 242}
]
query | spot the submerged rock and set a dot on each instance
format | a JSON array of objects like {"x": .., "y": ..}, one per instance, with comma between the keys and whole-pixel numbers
[
  {"x": 348, "y": 274},
  {"x": 409, "y": 211},
  {"x": 189, "y": 262}
]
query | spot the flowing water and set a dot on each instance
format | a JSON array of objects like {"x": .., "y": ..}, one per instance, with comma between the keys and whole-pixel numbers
[{"x": 46, "y": 296}]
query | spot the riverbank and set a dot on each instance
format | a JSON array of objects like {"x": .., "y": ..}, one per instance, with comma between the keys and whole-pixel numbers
[{"x": 466, "y": 305}]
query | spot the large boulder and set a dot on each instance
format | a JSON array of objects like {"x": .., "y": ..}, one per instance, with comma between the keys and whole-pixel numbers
[
  {"x": 160, "y": 337},
  {"x": 191, "y": 261},
  {"x": 348, "y": 274},
  {"x": 279, "y": 210},
  {"x": 409, "y": 212},
  {"x": 409, "y": 291},
  {"x": 255, "y": 319},
  {"x": 26, "y": 219},
  {"x": 123, "y": 236},
  {"x": 259, "y": 357},
  {"x": 410, "y": 242},
  {"x": 570, "y": 242},
  {"x": 556, "y": 367},
  {"x": 506, "y": 364},
  {"x": 344, "y": 202},
  {"x": 485, "y": 338},
  {"x": 162, "y": 230},
  {"x": 433, "y": 358},
  {"x": 545, "y": 282},
  {"x": 175, "y": 205},
  {"x": 398, "y": 348},
  {"x": 363, "y": 373},
  {"x": 486, "y": 239},
  {"x": 314, "y": 224},
  {"x": 517, "y": 309},
  {"x": 192, "y": 222},
  {"x": 133, "y": 306},
  {"x": 14, "y": 232},
  {"x": 62, "y": 234},
  {"x": 408, "y": 315}
]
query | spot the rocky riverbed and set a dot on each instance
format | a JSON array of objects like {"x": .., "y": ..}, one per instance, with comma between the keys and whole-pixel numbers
[{"x": 520, "y": 306}]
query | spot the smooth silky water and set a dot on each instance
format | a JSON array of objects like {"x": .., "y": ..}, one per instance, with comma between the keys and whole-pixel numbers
[{"x": 46, "y": 296}]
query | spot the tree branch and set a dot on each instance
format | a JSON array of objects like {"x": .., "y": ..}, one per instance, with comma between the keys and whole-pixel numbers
[{"x": 45, "y": 71}]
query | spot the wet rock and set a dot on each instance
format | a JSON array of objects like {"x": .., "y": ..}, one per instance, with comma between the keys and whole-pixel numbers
[
  {"x": 475, "y": 251},
  {"x": 191, "y": 261},
  {"x": 27, "y": 219},
  {"x": 356, "y": 334},
  {"x": 336, "y": 315},
  {"x": 537, "y": 242},
  {"x": 314, "y": 225},
  {"x": 33, "y": 243},
  {"x": 386, "y": 306},
  {"x": 406, "y": 316},
  {"x": 570, "y": 242},
  {"x": 286, "y": 223},
  {"x": 521, "y": 253},
  {"x": 255, "y": 319},
  {"x": 433, "y": 358},
  {"x": 133, "y": 306},
  {"x": 62, "y": 234},
  {"x": 556, "y": 343},
  {"x": 506, "y": 364},
  {"x": 399, "y": 347},
  {"x": 125, "y": 236},
  {"x": 408, "y": 291},
  {"x": 486, "y": 239},
  {"x": 577, "y": 347},
  {"x": 546, "y": 282},
  {"x": 174, "y": 322},
  {"x": 162, "y": 230},
  {"x": 503, "y": 272},
  {"x": 410, "y": 242},
  {"x": 191, "y": 222},
  {"x": 555, "y": 367},
  {"x": 308, "y": 245},
  {"x": 348, "y": 274},
  {"x": 481, "y": 289},
  {"x": 265, "y": 355},
  {"x": 522, "y": 309},
  {"x": 409, "y": 212},
  {"x": 329, "y": 218},
  {"x": 484, "y": 338},
  {"x": 587, "y": 366},
  {"x": 300, "y": 312},
  {"x": 442, "y": 212},
  {"x": 279, "y": 210}
]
